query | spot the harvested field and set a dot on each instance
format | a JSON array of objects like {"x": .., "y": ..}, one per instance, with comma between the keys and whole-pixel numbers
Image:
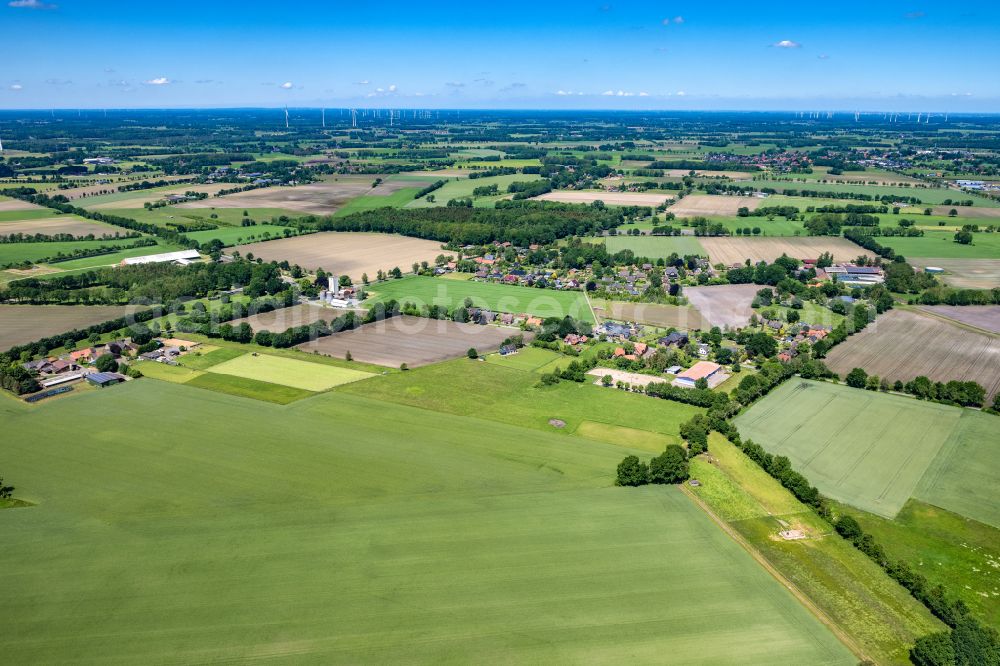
[
  {"x": 281, "y": 320},
  {"x": 904, "y": 344},
  {"x": 665, "y": 316},
  {"x": 16, "y": 204},
  {"x": 986, "y": 317},
  {"x": 712, "y": 204},
  {"x": 315, "y": 198},
  {"x": 735, "y": 175},
  {"x": 347, "y": 253},
  {"x": 84, "y": 191},
  {"x": 965, "y": 273},
  {"x": 733, "y": 250},
  {"x": 610, "y": 198},
  {"x": 65, "y": 224},
  {"x": 725, "y": 304},
  {"x": 412, "y": 340},
  {"x": 20, "y": 324}
]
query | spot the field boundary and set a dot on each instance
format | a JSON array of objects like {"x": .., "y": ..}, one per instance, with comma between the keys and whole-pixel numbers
[{"x": 801, "y": 596}]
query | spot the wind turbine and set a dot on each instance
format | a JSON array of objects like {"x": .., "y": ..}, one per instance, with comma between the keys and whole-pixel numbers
[
  {"x": 354, "y": 117},
  {"x": 286, "y": 117},
  {"x": 324, "y": 117}
]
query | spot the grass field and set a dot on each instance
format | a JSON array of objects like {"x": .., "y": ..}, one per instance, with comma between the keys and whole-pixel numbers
[
  {"x": 205, "y": 360},
  {"x": 223, "y": 535},
  {"x": 528, "y": 359},
  {"x": 17, "y": 252},
  {"x": 948, "y": 549},
  {"x": 852, "y": 591},
  {"x": 943, "y": 245},
  {"x": 288, "y": 372},
  {"x": 461, "y": 188},
  {"x": 655, "y": 247},
  {"x": 376, "y": 199},
  {"x": 875, "y": 450},
  {"x": 422, "y": 290}
]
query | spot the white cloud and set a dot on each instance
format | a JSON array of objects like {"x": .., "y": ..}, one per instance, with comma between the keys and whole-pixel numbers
[
  {"x": 363, "y": 82},
  {"x": 823, "y": 56},
  {"x": 158, "y": 81},
  {"x": 58, "y": 82},
  {"x": 16, "y": 86},
  {"x": 643, "y": 94},
  {"x": 681, "y": 93},
  {"x": 392, "y": 88},
  {"x": 455, "y": 84},
  {"x": 608, "y": 93},
  {"x": 787, "y": 44},
  {"x": 30, "y": 4},
  {"x": 287, "y": 85},
  {"x": 677, "y": 20}
]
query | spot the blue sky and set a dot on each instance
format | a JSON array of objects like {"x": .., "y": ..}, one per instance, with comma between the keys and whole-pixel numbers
[{"x": 604, "y": 54}]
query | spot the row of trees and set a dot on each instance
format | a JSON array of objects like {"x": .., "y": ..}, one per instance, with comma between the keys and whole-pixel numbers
[
  {"x": 966, "y": 394},
  {"x": 671, "y": 466}
]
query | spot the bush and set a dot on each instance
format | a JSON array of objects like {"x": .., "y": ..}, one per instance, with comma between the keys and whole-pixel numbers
[
  {"x": 632, "y": 472},
  {"x": 472, "y": 353},
  {"x": 671, "y": 466}
]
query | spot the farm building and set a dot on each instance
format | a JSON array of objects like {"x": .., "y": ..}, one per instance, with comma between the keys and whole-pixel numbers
[
  {"x": 103, "y": 379},
  {"x": 701, "y": 370},
  {"x": 182, "y": 256}
]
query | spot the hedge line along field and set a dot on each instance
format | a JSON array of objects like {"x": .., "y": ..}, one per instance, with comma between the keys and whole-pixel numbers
[
  {"x": 222, "y": 535},
  {"x": 422, "y": 290},
  {"x": 871, "y": 450},
  {"x": 903, "y": 344}
]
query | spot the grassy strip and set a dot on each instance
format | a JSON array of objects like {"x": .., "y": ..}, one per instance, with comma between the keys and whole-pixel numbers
[{"x": 249, "y": 388}]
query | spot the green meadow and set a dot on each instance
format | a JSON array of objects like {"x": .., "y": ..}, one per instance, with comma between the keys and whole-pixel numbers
[
  {"x": 422, "y": 290},
  {"x": 655, "y": 247},
  {"x": 461, "y": 188},
  {"x": 343, "y": 529},
  {"x": 942, "y": 245}
]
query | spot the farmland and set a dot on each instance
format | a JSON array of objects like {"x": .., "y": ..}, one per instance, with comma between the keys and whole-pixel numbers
[
  {"x": 414, "y": 341},
  {"x": 943, "y": 245},
  {"x": 20, "y": 324},
  {"x": 709, "y": 204},
  {"x": 609, "y": 198},
  {"x": 288, "y": 372},
  {"x": 277, "y": 321},
  {"x": 321, "y": 198},
  {"x": 736, "y": 250},
  {"x": 872, "y": 450},
  {"x": 906, "y": 344},
  {"x": 461, "y": 188},
  {"x": 346, "y": 253},
  {"x": 724, "y": 305},
  {"x": 656, "y": 247},
  {"x": 52, "y": 225},
  {"x": 474, "y": 554},
  {"x": 964, "y": 273},
  {"x": 421, "y": 290},
  {"x": 985, "y": 317},
  {"x": 11, "y": 253}
]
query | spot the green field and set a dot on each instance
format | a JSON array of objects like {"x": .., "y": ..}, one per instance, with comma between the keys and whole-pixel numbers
[
  {"x": 16, "y": 252},
  {"x": 948, "y": 549},
  {"x": 33, "y": 214},
  {"x": 850, "y": 589},
  {"x": 365, "y": 533},
  {"x": 238, "y": 235},
  {"x": 422, "y": 290},
  {"x": 942, "y": 245},
  {"x": 375, "y": 200},
  {"x": 114, "y": 258},
  {"x": 461, "y": 188},
  {"x": 288, "y": 372},
  {"x": 528, "y": 358},
  {"x": 655, "y": 247},
  {"x": 871, "y": 450},
  {"x": 167, "y": 216},
  {"x": 929, "y": 196}
]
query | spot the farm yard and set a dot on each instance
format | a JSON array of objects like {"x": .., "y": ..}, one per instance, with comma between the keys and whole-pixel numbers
[
  {"x": 985, "y": 317},
  {"x": 422, "y": 290},
  {"x": 964, "y": 273},
  {"x": 414, "y": 341},
  {"x": 707, "y": 205},
  {"x": 652, "y": 314},
  {"x": 474, "y": 554},
  {"x": 875, "y": 451},
  {"x": 20, "y": 324},
  {"x": 346, "y": 253},
  {"x": 609, "y": 198},
  {"x": 725, "y": 304},
  {"x": 906, "y": 344},
  {"x": 730, "y": 250}
]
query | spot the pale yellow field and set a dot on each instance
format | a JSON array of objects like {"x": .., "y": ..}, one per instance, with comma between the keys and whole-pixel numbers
[
  {"x": 610, "y": 198},
  {"x": 734, "y": 250},
  {"x": 712, "y": 204},
  {"x": 315, "y": 198},
  {"x": 142, "y": 196}
]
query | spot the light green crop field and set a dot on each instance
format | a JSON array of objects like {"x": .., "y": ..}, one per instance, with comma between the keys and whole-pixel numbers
[
  {"x": 238, "y": 235},
  {"x": 113, "y": 258},
  {"x": 943, "y": 245},
  {"x": 779, "y": 226},
  {"x": 422, "y": 290},
  {"x": 204, "y": 361},
  {"x": 931, "y": 196},
  {"x": 655, "y": 247},
  {"x": 854, "y": 593},
  {"x": 33, "y": 214},
  {"x": 527, "y": 358},
  {"x": 871, "y": 450},
  {"x": 168, "y": 216},
  {"x": 461, "y": 188},
  {"x": 288, "y": 372},
  {"x": 346, "y": 530}
]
